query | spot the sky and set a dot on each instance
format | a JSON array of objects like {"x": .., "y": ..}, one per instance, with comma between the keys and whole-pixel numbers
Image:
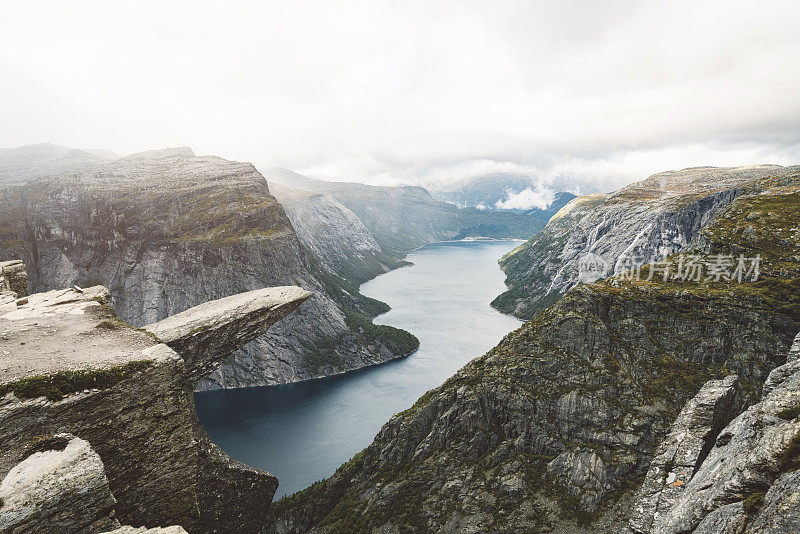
[{"x": 585, "y": 96}]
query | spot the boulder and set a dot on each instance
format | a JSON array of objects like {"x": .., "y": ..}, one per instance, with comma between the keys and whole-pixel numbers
[{"x": 61, "y": 486}]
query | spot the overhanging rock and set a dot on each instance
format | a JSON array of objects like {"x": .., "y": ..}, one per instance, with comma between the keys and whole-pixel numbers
[
  {"x": 207, "y": 334},
  {"x": 72, "y": 366}
]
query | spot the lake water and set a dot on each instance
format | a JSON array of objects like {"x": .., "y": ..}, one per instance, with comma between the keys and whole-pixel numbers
[{"x": 302, "y": 432}]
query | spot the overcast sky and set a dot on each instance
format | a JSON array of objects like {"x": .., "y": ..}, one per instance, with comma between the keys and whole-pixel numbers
[{"x": 599, "y": 92}]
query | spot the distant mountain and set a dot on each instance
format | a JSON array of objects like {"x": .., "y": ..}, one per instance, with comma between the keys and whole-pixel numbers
[
  {"x": 20, "y": 164},
  {"x": 406, "y": 217},
  {"x": 646, "y": 220},
  {"x": 501, "y": 191}
]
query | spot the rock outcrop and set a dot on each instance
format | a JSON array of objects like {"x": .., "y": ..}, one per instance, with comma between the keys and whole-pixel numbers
[
  {"x": 748, "y": 481},
  {"x": 642, "y": 222},
  {"x": 60, "y": 486},
  {"x": 167, "y": 230},
  {"x": 556, "y": 427},
  {"x": 77, "y": 368},
  {"x": 687, "y": 444},
  {"x": 13, "y": 279}
]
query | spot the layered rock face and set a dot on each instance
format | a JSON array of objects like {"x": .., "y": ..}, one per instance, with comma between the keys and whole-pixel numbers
[
  {"x": 557, "y": 426},
  {"x": 642, "y": 222},
  {"x": 747, "y": 483},
  {"x": 76, "y": 368},
  {"x": 333, "y": 234},
  {"x": 167, "y": 230}
]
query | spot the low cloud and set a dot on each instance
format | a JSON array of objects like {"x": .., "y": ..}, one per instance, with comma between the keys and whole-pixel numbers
[
  {"x": 527, "y": 199},
  {"x": 578, "y": 95}
]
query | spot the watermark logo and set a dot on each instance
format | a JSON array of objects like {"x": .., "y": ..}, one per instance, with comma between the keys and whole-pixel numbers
[
  {"x": 682, "y": 267},
  {"x": 592, "y": 267}
]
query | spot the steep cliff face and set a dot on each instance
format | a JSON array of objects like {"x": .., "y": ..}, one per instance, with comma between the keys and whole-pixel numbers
[
  {"x": 746, "y": 479},
  {"x": 645, "y": 221},
  {"x": 77, "y": 369},
  {"x": 556, "y": 427},
  {"x": 334, "y": 234},
  {"x": 167, "y": 230},
  {"x": 404, "y": 218},
  {"x": 343, "y": 251}
]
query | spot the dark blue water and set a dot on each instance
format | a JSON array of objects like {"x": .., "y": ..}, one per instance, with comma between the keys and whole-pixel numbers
[{"x": 302, "y": 432}]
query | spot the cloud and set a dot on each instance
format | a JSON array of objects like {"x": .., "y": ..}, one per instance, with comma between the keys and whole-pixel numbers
[
  {"x": 526, "y": 199},
  {"x": 409, "y": 92}
]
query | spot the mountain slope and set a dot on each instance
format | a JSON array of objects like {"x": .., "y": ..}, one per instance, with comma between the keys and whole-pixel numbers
[
  {"x": 642, "y": 222},
  {"x": 334, "y": 234},
  {"x": 166, "y": 230},
  {"x": 556, "y": 426},
  {"x": 404, "y": 218}
]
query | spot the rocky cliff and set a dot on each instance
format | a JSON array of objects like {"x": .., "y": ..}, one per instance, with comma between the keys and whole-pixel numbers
[
  {"x": 97, "y": 417},
  {"x": 645, "y": 221},
  {"x": 167, "y": 230},
  {"x": 557, "y": 427},
  {"x": 334, "y": 234},
  {"x": 345, "y": 253}
]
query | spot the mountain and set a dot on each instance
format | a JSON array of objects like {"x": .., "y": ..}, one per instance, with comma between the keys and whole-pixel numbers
[
  {"x": 595, "y": 415},
  {"x": 20, "y": 164},
  {"x": 334, "y": 234},
  {"x": 406, "y": 217},
  {"x": 166, "y": 230},
  {"x": 641, "y": 222},
  {"x": 504, "y": 190}
]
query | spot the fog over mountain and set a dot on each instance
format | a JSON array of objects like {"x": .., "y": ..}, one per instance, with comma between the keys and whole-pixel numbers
[{"x": 413, "y": 92}]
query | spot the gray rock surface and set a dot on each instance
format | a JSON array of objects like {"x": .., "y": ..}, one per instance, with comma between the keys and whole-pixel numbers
[
  {"x": 644, "y": 221},
  {"x": 794, "y": 352},
  {"x": 208, "y": 333},
  {"x": 780, "y": 512},
  {"x": 333, "y": 234},
  {"x": 728, "y": 519},
  {"x": 13, "y": 278},
  {"x": 757, "y": 448},
  {"x": 60, "y": 487},
  {"x": 688, "y": 442},
  {"x": 130, "y": 396}
]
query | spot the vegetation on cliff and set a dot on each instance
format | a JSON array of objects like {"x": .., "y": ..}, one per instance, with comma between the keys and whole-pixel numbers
[{"x": 558, "y": 422}]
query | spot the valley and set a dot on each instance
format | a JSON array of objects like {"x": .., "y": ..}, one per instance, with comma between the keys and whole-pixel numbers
[{"x": 302, "y": 432}]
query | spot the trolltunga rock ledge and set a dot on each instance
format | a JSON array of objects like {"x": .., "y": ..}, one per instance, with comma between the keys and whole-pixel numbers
[
  {"x": 68, "y": 364},
  {"x": 208, "y": 333}
]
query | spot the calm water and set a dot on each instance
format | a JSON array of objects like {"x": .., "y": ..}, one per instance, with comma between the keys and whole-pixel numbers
[{"x": 302, "y": 432}]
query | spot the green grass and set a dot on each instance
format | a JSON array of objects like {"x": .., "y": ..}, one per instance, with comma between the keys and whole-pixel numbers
[
  {"x": 56, "y": 386},
  {"x": 753, "y": 503},
  {"x": 789, "y": 413}
]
